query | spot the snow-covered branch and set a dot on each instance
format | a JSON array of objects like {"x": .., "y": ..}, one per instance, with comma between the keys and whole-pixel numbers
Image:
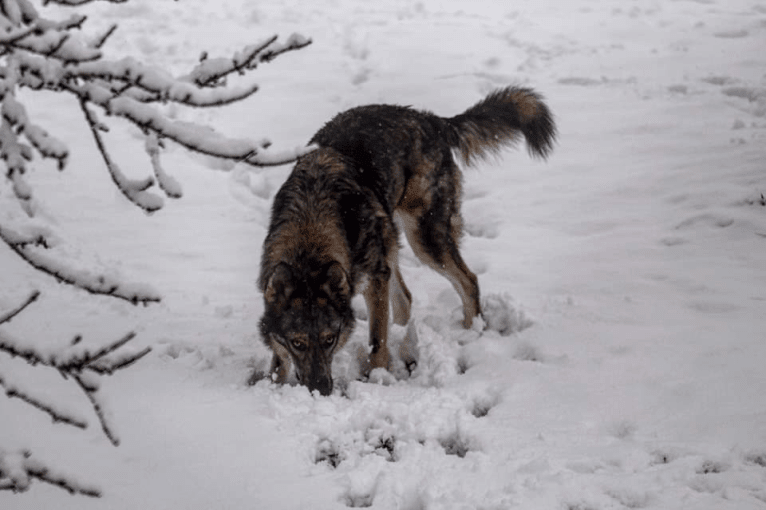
[
  {"x": 42, "y": 54},
  {"x": 19, "y": 468},
  {"x": 8, "y": 316},
  {"x": 57, "y": 413},
  {"x": 75, "y": 362},
  {"x": 73, "y": 3},
  {"x": 32, "y": 246},
  {"x": 37, "y": 53}
]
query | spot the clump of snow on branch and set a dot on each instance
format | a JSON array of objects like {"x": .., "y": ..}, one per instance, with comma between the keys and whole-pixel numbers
[{"x": 19, "y": 468}]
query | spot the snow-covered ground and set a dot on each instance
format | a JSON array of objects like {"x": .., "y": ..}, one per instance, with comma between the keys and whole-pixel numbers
[{"x": 624, "y": 279}]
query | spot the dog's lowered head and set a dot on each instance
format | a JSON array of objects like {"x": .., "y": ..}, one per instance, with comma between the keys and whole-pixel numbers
[{"x": 307, "y": 318}]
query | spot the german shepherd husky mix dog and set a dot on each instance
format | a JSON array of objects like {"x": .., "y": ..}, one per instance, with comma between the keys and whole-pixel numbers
[{"x": 335, "y": 222}]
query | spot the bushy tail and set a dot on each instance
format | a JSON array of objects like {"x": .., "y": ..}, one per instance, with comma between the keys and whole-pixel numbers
[{"x": 497, "y": 121}]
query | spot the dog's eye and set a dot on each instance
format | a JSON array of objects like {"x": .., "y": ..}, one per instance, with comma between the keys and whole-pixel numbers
[
  {"x": 328, "y": 341},
  {"x": 298, "y": 345}
]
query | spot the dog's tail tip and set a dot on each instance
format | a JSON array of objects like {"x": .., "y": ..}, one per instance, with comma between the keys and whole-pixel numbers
[{"x": 498, "y": 120}]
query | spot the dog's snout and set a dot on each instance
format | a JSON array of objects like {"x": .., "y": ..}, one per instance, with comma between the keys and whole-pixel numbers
[{"x": 323, "y": 384}]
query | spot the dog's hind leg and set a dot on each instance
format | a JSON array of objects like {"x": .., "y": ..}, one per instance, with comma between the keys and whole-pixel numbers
[
  {"x": 401, "y": 299},
  {"x": 433, "y": 226},
  {"x": 376, "y": 297},
  {"x": 466, "y": 284},
  {"x": 452, "y": 266}
]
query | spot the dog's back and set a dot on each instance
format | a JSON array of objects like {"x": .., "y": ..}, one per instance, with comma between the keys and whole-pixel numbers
[{"x": 333, "y": 226}]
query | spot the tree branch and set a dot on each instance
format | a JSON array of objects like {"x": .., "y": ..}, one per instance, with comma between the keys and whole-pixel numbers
[
  {"x": 75, "y": 3},
  {"x": 17, "y": 468},
  {"x": 8, "y": 316},
  {"x": 73, "y": 362},
  {"x": 134, "y": 191},
  {"x": 98, "y": 407},
  {"x": 24, "y": 247},
  {"x": 58, "y": 415}
]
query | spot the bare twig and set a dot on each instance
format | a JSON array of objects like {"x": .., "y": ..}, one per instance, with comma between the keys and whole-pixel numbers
[
  {"x": 90, "y": 392},
  {"x": 8, "y": 316},
  {"x": 98, "y": 43},
  {"x": 44, "y": 475},
  {"x": 81, "y": 362}
]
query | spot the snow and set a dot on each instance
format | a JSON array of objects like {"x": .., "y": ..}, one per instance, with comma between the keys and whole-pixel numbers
[{"x": 624, "y": 277}]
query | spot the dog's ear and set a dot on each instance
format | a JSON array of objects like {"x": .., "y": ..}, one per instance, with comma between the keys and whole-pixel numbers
[
  {"x": 280, "y": 286},
  {"x": 336, "y": 281}
]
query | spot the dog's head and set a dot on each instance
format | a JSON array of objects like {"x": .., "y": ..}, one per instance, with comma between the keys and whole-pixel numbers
[{"x": 308, "y": 313}]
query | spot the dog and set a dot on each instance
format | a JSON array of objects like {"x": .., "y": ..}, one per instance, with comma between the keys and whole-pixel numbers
[{"x": 335, "y": 223}]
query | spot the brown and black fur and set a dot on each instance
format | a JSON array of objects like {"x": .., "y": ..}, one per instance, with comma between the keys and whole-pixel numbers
[{"x": 335, "y": 222}]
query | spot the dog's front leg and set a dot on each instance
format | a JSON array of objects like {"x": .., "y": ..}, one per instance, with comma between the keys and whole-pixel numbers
[
  {"x": 280, "y": 363},
  {"x": 376, "y": 297}
]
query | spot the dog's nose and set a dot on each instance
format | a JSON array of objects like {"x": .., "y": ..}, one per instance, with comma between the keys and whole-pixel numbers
[{"x": 324, "y": 385}]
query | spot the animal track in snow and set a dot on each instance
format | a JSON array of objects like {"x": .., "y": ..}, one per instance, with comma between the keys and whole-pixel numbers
[
  {"x": 580, "y": 81},
  {"x": 483, "y": 404},
  {"x": 756, "y": 458},
  {"x": 719, "y": 80},
  {"x": 355, "y": 500},
  {"x": 329, "y": 453},
  {"x": 455, "y": 444},
  {"x": 712, "y": 466},
  {"x": 752, "y": 94},
  {"x": 501, "y": 315},
  {"x": 731, "y": 34},
  {"x": 486, "y": 230},
  {"x": 708, "y": 219}
]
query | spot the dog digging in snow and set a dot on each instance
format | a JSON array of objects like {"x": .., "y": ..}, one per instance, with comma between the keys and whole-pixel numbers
[{"x": 335, "y": 223}]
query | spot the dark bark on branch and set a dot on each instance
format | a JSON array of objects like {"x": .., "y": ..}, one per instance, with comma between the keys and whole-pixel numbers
[
  {"x": 104, "y": 361},
  {"x": 8, "y": 316},
  {"x": 44, "y": 475},
  {"x": 132, "y": 190},
  {"x": 90, "y": 392},
  {"x": 22, "y": 467},
  {"x": 55, "y": 414}
]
